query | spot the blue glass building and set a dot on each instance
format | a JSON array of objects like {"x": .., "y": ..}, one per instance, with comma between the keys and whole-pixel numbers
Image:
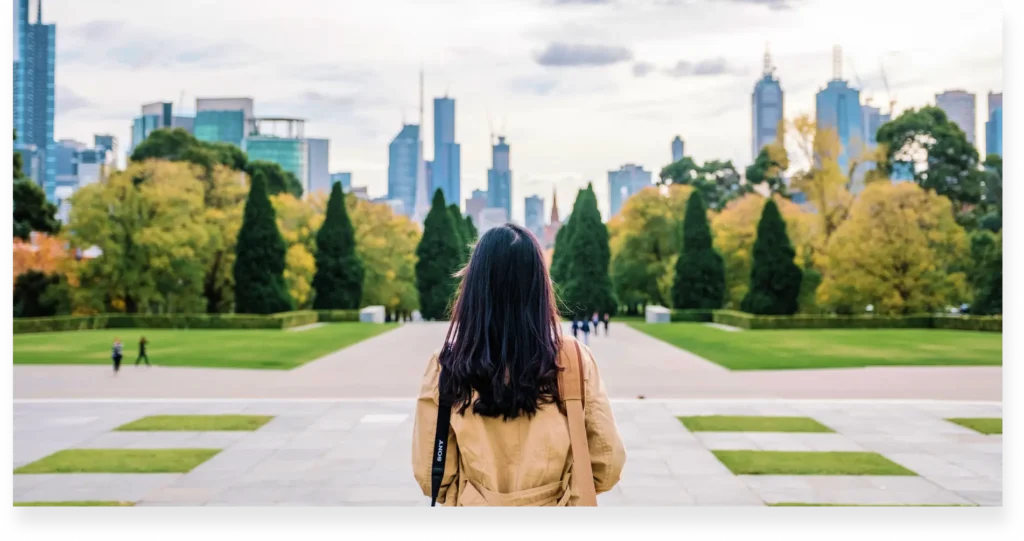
[
  {"x": 445, "y": 171},
  {"x": 402, "y": 166},
  {"x": 223, "y": 120},
  {"x": 34, "y": 62},
  {"x": 994, "y": 132},
  {"x": 499, "y": 179},
  {"x": 155, "y": 116},
  {"x": 535, "y": 216},
  {"x": 317, "y": 165},
  {"x": 838, "y": 108},
  {"x": 625, "y": 183},
  {"x": 344, "y": 178},
  {"x": 289, "y": 153},
  {"x": 767, "y": 110},
  {"x": 677, "y": 149}
]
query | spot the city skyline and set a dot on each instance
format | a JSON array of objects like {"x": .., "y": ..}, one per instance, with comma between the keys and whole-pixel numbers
[{"x": 512, "y": 67}]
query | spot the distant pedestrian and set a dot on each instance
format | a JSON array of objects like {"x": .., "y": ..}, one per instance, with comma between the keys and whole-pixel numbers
[
  {"x": 596, "y": 319},
  {"x": 607, "y": 318},
  {"x": 586, "y": 332},
  {"x": 575, "y": 328},
  {"x": 142, "y": 352},
  {"x": 117, "y": 354}
]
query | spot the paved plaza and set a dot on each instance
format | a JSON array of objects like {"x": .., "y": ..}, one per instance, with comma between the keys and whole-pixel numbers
[{"x": 341, "y": 428}]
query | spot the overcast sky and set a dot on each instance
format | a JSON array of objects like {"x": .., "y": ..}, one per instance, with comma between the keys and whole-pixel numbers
[{"x": 579, "y": 87}]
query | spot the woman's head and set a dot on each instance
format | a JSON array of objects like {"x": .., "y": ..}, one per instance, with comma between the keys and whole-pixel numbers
[{"x": 503, "y": 340}]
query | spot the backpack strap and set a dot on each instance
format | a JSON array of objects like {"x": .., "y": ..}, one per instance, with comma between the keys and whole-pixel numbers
[
  {"x": 572, "y": 390},
  {"x": 440, "y": 449}
]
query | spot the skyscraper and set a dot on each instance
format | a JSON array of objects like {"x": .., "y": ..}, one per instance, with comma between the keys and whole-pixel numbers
[
  {"x": 624, "y": 183},
  {"x": 475, "y": 205},
  {"x": 223, "y": 120},
  {"x": 446, "y": 168},
  {"x": 535, "y": 216},
  {"x": 499, "y": 179},
  {"x": 838, "y": 108},
  {"x": 677, "y": 149},
  {"x": 767, "y": 111},
  {"x": 156, "y": 116},
  {"x": 994, "y": 125},
  {"x": 34, "y": 63},
  {"x": 318, "y": 172},
  {"x": 403, "y": 165},
  {"x": 959, "y": 106}
]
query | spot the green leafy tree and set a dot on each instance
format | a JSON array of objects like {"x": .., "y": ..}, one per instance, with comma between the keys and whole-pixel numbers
[
  {"x": 986, "y": 275},
  {"x": 471, "y": 233},
  {"x": 717, "y": 181},
  {"x": 944, "y": 160},
  {"x": 32, "y": 212},
  {"x": 460, "y": 231},
  {"x": 339, "y": 271},
  {"x": 769, "y": 166},
  {"x": 260, "y": 258},
  {"x": 588, "y": 286},
  {"x": 275, "y": 178},
  {"x": 700, "y": 270},
  {"x": 178, "y": 145},
  {"x": 774, "y": 277},
  {"x": 33, "y": 294},
  {"x": 439, "y": 257}
]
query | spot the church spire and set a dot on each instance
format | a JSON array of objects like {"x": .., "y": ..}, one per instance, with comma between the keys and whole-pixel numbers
[{"x": 554, "y": 207}]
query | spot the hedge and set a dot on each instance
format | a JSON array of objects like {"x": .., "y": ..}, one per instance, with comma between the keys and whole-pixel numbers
[
  {"x": 692, "y": 315},
  {"x": 337, "y": 316},
  {"x": 164, "y": 321},
  {"x": 922, "y": 321}
]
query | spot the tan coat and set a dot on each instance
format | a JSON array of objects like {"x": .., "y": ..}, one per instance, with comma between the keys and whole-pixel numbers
[{"x": 523, "y": 461}]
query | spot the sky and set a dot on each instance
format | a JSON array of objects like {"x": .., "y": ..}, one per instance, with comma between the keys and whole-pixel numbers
[{"x": 578, "y": 87}]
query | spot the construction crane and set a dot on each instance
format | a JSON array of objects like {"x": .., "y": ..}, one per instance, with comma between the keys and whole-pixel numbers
[{"x": 892, "y": 97}]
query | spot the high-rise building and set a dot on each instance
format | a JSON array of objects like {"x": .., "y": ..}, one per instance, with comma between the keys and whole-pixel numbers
[
  {"x": 318, "y": 170},
  {"x": 995, "y": 101},
  {"x": 403, "y": 158},
  {"x": 445, "y": 171},
  {"x": 499, "y": 179},
  {"x": 535, "y": 216},
  {"x": 838, "y": 108},
  {"x": 34, "y": 64},
  {"x": 156, "y": 116},
  {"x": 108, "y": 142},
  {"x": 767, "y": 111},
  {"x": 344, "y": 178},
  {"x": 624, "y": 183},
  {"x": 959, "y": 106},
  {"x": 274, "y": 139},
  {"x": 475, "y": 205},
  {"x": 677, "y": 149},
  {"x": 873, "y": 119},
  {"x": 994, "y": 124},
  {"x": 223, "y": 120}
]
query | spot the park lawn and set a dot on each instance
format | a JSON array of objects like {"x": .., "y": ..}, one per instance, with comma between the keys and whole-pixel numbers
[
  {"x": 809, "y": 463},
  {"x": 984, "y": 425},
  {"x": 87, "y": 503},
  {"x": 196, "y": 423},
  {"x": 209, "y": 348},
  {"x": 830, "y": 348},
  {"x": 741, "y": 423},
  {"x": 120, "y": 461}
]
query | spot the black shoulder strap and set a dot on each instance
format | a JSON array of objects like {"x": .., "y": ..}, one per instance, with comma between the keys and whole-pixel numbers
[{"x": 440, "y": 449}]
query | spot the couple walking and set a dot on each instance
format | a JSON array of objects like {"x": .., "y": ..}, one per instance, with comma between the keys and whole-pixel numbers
[
  {"x": 118, "y": 353},
  {"x": 584, "y": 325}
]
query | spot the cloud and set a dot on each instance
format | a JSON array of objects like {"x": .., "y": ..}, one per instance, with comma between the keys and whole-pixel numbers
[
  {"x": 577, "y": 54},
  {"x": 774, "y": 5},
  {"x": 325, "y": 73},
  {"x": 68, "y": 100},
  {"x": 704, "y": 68},
  {"x": 641, "y": 69},
  {"x": 106, "y": 42},
  {"x": 531, "y": 85}
]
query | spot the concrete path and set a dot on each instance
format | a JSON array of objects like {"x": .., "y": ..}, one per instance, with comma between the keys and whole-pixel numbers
[
  {"x": 390, "y": 365},
  {"x": 356, "y": 452}
]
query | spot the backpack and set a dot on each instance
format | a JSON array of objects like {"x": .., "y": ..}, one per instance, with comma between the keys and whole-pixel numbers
[{"x": 572, "y": 394}]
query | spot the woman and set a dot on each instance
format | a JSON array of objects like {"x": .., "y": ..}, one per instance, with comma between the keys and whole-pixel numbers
[
  {"x": 117, "y": 354},
  {"x": 508, "y": 441}
]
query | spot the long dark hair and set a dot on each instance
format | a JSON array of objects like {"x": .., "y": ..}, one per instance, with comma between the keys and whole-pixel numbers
[{"x": 504, "y": 338}]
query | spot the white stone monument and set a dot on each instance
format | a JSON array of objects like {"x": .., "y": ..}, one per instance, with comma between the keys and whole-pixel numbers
[
  {"x": 657, "y": 314},
  {"x": 372, "y": 314}
]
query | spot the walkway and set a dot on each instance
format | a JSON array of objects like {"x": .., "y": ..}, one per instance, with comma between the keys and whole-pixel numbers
[{"x": 390, "y": 365}]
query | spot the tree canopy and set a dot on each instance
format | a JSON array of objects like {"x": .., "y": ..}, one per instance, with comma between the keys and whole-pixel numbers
[
  {"x": 700, "y": 271},
  {"x": 338, "y": 283},
  {"x": 439, "y": 257},
  {"x": 588, "y": 287},
  {"x": 774, "y": 277},
  {"x": 717, "y": 181},
  {"x": 387, "y": 247},
  {"x": 260, "y": 258},
  {"x": 276, "y": 179}
]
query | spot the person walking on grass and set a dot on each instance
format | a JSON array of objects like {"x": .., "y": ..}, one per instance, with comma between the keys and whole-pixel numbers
[
  {"x": 607, "y": 318},
  {"x": 142, "y": 352},
  {"x": 510, "y": 411},
  {"x": 117, "y": 354},
  {"x": 586, "y": 331}
]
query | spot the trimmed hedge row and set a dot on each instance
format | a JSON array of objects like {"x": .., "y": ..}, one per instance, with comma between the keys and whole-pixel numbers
[
  {"x": 691, "y": 315},
  {"x": 337, "y": 316},
  {"x": 744, "y": 320},
  {"x": 283, "y": 320}
]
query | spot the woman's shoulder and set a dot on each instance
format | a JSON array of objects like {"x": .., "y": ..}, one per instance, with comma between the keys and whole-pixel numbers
[{"x": 428, "y": 385}]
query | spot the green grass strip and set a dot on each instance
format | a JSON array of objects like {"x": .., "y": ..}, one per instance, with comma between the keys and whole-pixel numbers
[
  {"x": 196, "y": 423},
  {"x": 993, "y": 425},
  {"x": 809, "y": 463},
  {"x": 742, "y": 423},
  {"x": 120, "y": 461},
  {"x": 87, "y": 503}
]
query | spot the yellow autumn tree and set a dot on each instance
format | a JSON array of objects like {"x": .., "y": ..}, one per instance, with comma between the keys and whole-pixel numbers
[
  {"x": 298, "y": 220},
  {"x": 898, "y": 252},
  {"x": 386, "y": 243},
  {"x": 735, "y": 230}
]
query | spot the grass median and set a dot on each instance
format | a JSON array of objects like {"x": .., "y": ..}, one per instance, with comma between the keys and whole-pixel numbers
[
  {"x": 830, "y": 348},
  {"x": 809, "y": 463},
  {"x": 164, "y": 423},
  {"x": 986, "y": 426},
  {"x": 119, "y": 461},
  {"x": 209, "y": 348},
  {"x": 751, "y": 423}
]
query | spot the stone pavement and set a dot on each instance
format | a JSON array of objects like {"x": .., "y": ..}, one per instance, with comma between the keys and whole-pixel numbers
[
  {"x": 390, "y": 365},
  {"x": 356, "y": 452}
]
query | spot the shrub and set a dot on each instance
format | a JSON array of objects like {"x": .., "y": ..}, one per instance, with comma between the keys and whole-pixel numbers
[
  {"x": 969, "y": 323},
  {"x": 337, "y": 316},
  {"x": 922, "y": 321},
  {"x": 696, "y": 316}
]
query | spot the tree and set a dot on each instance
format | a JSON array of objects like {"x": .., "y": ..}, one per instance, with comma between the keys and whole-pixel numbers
[
  {"x": 439, "y": 256},
  {"x": 33, "y": 294},
  {"x": 339, "y": 271},
  {"x": 986, "y": 275},
  {"x": 45, "y": 254},
  {"x": 260, "y": 258},
  {"x": 276, "y": 179},
  {"x": 18, "y": 174},
  {"x": 460, "y": 231},
  {"x": 387, "y": 246},
  {"x": 152, "y": 235},
  {"x": 32, "y": 212},
  {"x": 224, "y": 204},
  {"x": 298, "y": 220},
  {"x": 700, "y": 272},
  {"x": 898, "y": 252},
  {"x": 769, "y": 168},
  {"x": 717, "y": 181},
  {"x": 774, "y": 277},
  {"x": 472, "y": 233},
  {"x": 588, "y": 288},
  {"x": 823, "y": 182},
  {"x": 944, "y": 161},
  {"x": 178, "y": 145}
]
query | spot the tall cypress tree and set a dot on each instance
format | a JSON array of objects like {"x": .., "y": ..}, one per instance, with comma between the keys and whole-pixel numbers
[
  {"x": 700, "y": 270},
  {"x": 259, "y": 263},
  {"x": 471, "y": 233},
  {"x": 439, "y": 257},
  {"x": 774, "y": 277},
  {"x": 461, "y": 234},
  {"x": 588, "y": 287},
  {"x": 339, "y": 271}
]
